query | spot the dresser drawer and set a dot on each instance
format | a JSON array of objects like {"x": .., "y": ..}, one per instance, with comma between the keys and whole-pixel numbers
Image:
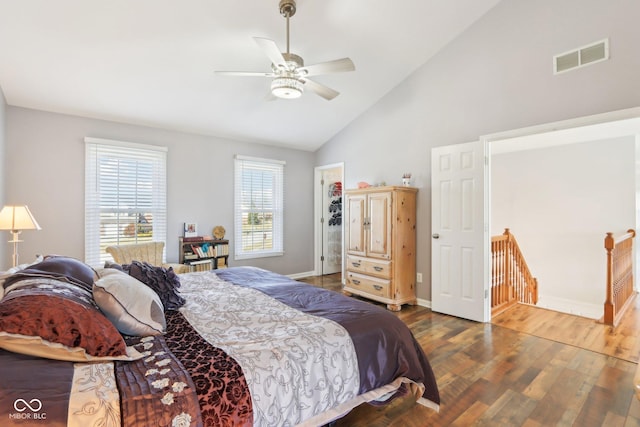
[
  {"x": 376, "y": 268},
  {"x": 368, "y": 284}
]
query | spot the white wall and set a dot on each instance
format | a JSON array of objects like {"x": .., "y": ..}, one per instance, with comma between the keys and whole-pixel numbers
[
  {"x": 46, "y": 171},
  {"x": 559, "y": 203},
  {"x": 3, "y": 126},
  {"x": 495, "y": 77}
]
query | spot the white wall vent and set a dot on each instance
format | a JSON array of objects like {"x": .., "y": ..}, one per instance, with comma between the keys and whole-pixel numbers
[{"x": 585, "y": 55}]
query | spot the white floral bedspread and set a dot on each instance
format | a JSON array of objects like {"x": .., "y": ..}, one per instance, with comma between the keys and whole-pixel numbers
[{"x": 296, "y": 365}]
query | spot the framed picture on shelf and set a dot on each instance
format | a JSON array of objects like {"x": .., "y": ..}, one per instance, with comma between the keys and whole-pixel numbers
[{"x": 190, "y": 229}]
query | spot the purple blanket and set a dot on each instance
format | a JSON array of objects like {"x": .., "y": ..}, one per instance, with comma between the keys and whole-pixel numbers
[
  {"x": 37, "y": 399},
  {"x": 385, "y": 347}
]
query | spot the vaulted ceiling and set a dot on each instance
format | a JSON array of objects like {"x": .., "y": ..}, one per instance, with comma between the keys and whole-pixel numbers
[{"x": 152, "y": 62}]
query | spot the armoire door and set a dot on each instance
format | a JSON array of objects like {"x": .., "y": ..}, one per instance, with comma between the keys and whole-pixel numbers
[
  {"x": 379, "y": 225},
  {"x": 355, "y": 216}
]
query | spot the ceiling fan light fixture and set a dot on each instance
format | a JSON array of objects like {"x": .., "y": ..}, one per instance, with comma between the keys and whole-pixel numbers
[{"x": 286, "y": 87}]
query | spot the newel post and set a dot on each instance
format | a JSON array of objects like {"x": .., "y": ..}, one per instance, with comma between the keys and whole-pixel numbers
[
  {"x": 609, "y": 244},
  {"x": 508, "y": 257}
]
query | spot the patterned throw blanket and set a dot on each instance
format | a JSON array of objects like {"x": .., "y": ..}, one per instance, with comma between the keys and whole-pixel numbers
[
  {"x": 387, "y": 352},
  {"x": 296, "y": 365},
  {"x": 221, "y": 387}
]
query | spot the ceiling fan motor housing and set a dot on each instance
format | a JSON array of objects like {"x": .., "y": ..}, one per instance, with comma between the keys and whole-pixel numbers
[
  {"x": 287, "y": 8},
  {"x": 293, "y": 61}
]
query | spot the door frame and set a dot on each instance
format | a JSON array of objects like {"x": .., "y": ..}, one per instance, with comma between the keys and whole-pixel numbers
[
  {"x": 317, "y": 206},
  {"x": 610, "y": 117}
]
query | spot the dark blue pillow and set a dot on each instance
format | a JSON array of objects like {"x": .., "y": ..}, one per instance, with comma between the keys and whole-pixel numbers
[{"x": 61, "y": 268}]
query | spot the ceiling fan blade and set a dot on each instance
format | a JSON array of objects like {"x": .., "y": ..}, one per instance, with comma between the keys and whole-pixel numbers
[
  {"x": 271, "y": 49},
  {"x": 245, "y": 73},
  {"x": 320, "y": 89},
  {"x": 335, "y": 66}
]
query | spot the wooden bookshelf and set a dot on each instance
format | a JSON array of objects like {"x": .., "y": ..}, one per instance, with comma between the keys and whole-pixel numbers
[{"x": 202, "y": 253}]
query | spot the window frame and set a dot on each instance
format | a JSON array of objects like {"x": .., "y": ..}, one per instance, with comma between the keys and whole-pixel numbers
[
  {"x": 241, "y": 164},
  {"x": 97, "y": 149}
]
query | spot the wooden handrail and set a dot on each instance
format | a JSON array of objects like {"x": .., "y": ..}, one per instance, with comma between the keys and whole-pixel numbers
[
  {"x": 511, "y": 279},
  {"x": 620, "y": 290}
]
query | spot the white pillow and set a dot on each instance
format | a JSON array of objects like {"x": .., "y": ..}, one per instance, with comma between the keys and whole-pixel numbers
[{"x": 133, "y": 307}]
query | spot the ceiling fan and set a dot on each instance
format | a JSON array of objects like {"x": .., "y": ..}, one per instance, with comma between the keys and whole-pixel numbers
[{"x": 290, "y": 75}]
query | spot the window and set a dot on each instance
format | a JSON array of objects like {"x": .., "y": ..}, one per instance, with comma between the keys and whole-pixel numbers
[
  {"x": 259, "y": 203},
  {"x": 125, "y": 196}
]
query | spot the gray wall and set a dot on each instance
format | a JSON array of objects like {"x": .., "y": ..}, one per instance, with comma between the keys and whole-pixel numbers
[
  {"x": 3, "y": 183},
  {"x": 495, "y": 77},
  {"x": 46, "y": 172}
]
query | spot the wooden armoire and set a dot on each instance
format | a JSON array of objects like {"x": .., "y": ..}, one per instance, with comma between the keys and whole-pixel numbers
[{"x": 380, "y": 244}]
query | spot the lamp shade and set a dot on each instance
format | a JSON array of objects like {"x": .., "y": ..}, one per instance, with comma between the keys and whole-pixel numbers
[{"x": 17, "y": 218}]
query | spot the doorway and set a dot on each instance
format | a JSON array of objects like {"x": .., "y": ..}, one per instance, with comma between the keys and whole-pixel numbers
[
  {"x": 559, "y": 192},
  {"x": 328, "y": 218},
  {"x": 607, "y": 125}
]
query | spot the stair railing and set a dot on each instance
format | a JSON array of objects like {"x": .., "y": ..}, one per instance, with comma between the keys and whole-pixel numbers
[
  {"x": 511, "y": 279},
  {"x": 620, "y": 288}
]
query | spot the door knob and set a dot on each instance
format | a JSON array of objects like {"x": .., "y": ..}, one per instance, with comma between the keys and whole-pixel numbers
[{"x": 435, "y": 235}]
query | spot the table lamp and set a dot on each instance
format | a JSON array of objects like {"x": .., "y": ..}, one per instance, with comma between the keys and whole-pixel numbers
[{"x": 16, "y": 219}]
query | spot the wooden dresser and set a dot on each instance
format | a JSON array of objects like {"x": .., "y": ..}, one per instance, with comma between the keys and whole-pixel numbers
[{"x": 380, "y": 244}]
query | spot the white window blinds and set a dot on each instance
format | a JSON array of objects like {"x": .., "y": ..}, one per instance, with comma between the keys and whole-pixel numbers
[
  {"x": 125, "y": 196},
  {"x": 259, "y": 201}
]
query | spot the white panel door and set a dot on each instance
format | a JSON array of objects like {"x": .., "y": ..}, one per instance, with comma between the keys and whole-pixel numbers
[{"x": 460, "y": 236}]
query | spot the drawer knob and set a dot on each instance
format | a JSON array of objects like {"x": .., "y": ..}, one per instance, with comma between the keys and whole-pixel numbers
[
  {"x": 376, "y": 268},
  {"x": 377, "y": 287},
  {"x": 355, "y": 281},
  {"x": 355, "y": 264}
]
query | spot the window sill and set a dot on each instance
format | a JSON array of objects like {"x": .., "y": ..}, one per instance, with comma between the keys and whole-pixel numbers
[{"x": 257, "y": 255}]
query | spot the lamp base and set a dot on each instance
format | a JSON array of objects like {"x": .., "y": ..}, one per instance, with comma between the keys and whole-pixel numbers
[{"x": 15, "y": 241}]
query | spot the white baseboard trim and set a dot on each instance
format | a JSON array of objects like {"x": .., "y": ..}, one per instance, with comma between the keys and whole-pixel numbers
[
  {"x": 578, "y": 308},
  {"x": 424, "y": 303},
  {"x": 296, "y": 276}
]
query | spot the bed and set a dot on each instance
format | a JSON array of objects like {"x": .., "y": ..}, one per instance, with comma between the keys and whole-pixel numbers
[{"x": 137, "y": 345}]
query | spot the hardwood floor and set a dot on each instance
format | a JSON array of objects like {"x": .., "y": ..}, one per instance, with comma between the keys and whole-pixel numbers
[
  {"x": 621, "y": 341},
  {"x": 511, "y": 373}
]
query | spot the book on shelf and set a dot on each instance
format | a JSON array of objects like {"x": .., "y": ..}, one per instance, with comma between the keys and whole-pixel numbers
[
  {"x": 202, "y": 261},
  {"x": 211, "y": 251},
  {"x": 202, "y": 265},
  {"x": 198, "y": 251},
  {"x": 222, "y": 250},
  {"x": 193, "y": 239}
]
